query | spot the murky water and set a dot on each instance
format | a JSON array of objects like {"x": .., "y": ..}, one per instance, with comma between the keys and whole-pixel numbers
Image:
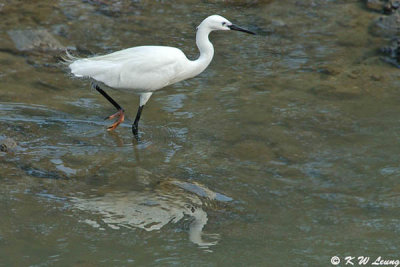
[{"x": 285, "y": 151}]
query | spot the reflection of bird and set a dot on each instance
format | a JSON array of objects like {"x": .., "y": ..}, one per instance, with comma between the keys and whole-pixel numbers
[
  {"x": 170, "y": 202},
  {"x": 145, "y": 69}
]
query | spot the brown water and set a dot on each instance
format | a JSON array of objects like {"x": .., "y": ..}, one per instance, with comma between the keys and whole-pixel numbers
[{"x": 298, "y": 125}]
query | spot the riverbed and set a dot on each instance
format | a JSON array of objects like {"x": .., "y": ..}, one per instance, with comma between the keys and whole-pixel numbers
[{"x": 285, "y": 151}]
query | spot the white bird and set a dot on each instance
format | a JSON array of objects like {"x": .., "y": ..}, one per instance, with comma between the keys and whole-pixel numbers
[{"x": 145, "y": 69}]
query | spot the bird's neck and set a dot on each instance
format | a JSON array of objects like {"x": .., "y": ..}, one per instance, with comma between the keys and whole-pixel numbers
[{"x": 205, "y": 47}]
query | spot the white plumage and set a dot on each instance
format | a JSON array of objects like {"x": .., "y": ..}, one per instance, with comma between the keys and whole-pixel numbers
[
  {"x": 145, "y": 69},
  {"x": 142, "y": 68}
]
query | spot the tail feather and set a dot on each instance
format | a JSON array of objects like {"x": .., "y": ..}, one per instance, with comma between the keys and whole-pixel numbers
[
  {"x": 101, "y": 70},
  {"x": 68, "y": 58}
]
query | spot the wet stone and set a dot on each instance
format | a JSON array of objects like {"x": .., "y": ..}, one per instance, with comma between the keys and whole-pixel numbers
[
  {"x": 386, "y": 6},
  {"x": 331, "y": 92},
  {"x": 3, "y": 148},
  {"x": 387, "y": 26},
  {"x": 376, "y": 78},
  {"x": 376, "y": 5},
  {"x": 391, "y": 6},
  {"x": 278, "y": 23},
  {"x": 7, "y": 145},
  {"x": 354, "y": 74},
  {"x": 392, "y": 52},
  {"x": 39, "y": 39},
  {"x": 329, "y": 70}
]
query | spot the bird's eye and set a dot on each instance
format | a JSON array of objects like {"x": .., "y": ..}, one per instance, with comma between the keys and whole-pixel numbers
[{"x": 223, "y": 23}]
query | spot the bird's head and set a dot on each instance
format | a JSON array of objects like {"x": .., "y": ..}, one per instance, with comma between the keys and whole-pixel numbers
[{"x": 219, "y": 23}]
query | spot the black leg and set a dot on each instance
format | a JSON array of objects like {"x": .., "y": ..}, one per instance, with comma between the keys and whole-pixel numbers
[
  {"x": 136, "y": 123},
  {"x": 120, "y": 114},
  {"x": 112, "y": 101}
]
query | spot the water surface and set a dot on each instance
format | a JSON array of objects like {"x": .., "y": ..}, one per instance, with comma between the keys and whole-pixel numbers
[{"x": 285, "y": 151}]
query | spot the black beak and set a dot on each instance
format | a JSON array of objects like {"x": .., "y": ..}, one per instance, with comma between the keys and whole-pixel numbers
[{"x": 237, "y": 28}]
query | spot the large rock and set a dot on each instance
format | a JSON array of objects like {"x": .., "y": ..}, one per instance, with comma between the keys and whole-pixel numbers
[
  {"x": 39, "y": 39},
  {"x": 387, "y": 26}
]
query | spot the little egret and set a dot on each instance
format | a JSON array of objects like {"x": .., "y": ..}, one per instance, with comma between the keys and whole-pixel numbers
[{"x": 145, "y": 69}]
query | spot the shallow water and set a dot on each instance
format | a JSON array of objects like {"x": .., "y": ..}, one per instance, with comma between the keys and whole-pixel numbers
[{"x": 285, "y": 151}]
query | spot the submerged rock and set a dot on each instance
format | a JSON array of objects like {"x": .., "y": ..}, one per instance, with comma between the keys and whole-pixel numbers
[
  {"x": 392, "y": 52},
  {"x": 387, "y": 6},
  {"x": 331, "y": 92},
  {"x": 387, "y": 26},
  {"x": 391, "y": 6},
  {"x": 39, "y": 39},
  {"x": 376, "y": 5}
]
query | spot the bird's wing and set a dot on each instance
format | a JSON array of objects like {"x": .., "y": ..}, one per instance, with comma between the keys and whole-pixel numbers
[{"x": 145, "y": 68}]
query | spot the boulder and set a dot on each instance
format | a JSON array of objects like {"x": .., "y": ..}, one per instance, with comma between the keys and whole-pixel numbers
[{"x": 38, "y": 39}]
